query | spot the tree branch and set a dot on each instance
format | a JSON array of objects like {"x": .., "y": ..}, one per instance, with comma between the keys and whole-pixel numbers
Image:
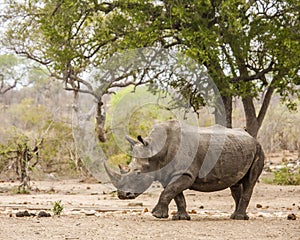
[
  {"x": 266, "y": 103},
  {"x": 258, "y": 75}
]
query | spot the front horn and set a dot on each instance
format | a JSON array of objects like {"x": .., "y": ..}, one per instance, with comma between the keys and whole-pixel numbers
[{"x": 114, "y": 177}]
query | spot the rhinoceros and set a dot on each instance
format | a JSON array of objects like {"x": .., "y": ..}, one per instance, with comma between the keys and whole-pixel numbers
[{"x": 184, "y": 157}]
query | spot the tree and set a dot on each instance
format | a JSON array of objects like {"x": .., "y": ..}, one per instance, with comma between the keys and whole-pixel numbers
[
  {"x": 70, "y": 38},
  {"x": 260, "y": 45},
  {"x": 248, "y": 47}
]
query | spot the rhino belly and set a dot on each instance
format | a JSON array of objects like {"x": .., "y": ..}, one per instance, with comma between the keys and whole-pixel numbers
[{"x": 211, "y": 185}]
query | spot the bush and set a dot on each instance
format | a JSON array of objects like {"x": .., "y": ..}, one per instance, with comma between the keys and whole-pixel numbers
[
  {"x": 122, "y": 159},
  {"x": 57, "y": 208},
  {"x": 287, "y": 176}
]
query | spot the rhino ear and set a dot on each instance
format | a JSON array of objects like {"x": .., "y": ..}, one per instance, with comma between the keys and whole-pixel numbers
[
  {"x": 142, "y": 140},
  {"x": 131, "y": 141}
]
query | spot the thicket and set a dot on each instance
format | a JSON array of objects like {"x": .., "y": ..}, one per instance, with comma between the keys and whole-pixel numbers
[{"x": 36, "y": 136}]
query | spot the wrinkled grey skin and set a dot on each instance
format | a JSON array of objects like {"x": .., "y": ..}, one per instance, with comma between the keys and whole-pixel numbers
[{"x": 201, "y": 159}]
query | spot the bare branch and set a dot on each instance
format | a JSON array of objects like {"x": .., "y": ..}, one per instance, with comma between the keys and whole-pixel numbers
[
  {"x": 266, "y": 102},
  {"x": 32, "y": 57}
]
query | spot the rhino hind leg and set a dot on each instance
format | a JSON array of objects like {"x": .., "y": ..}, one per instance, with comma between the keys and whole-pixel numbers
[
  {"x": 236, "y": 192},
  {"x": 242, "y": 191},
  {"x": 181, "y": 208}
]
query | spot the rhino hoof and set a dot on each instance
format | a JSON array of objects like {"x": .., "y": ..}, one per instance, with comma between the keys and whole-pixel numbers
[
  {"x": 181, "y": 216},
  {"x": 160, "y": 215},
  {"x": 160, "y": 212},
  {"x": 239, "y": 216}
]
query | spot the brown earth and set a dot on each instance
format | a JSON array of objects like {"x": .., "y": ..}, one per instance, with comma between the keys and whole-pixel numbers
[{"x": 92, "y": 211}]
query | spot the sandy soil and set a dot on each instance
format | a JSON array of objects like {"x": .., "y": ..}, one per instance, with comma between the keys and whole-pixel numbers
[{"x": 92, "y": 211}]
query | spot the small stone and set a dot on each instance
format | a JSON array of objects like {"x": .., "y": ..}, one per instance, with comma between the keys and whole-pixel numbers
[
  {"x": 43, "y": 214},
  {"x": 124, "y": 212},
  {"x": 90, "y": 213},
  {"x": 193, "y": 212},
  {"x": 145, "y": 210},
  {"x": 291, "y": 216},
  {"x": 201, "y": 207},
  {"x": 258, "y": 205}
]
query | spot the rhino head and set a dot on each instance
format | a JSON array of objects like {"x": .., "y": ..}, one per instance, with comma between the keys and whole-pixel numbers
[{"x": 140, "y": 174}]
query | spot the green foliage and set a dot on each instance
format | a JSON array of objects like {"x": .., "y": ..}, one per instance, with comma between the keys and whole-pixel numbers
[
  {"x": 119, "y": 159},
  {"x": 57, "y": 208},
  {"x": 58, "y": 149},
  {"x": 287, "y": 176},
  {"x": 138, "y": 118}
]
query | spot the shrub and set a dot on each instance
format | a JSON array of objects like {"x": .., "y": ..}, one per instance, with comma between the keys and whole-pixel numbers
[
  {"x": 287, "y": 176},
  {"x": 57, "y": 208}
]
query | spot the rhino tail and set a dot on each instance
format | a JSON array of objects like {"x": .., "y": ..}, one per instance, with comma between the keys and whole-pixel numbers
[
  {"x": 258, "y": 162},
  {"x": 260, "y": 155}
]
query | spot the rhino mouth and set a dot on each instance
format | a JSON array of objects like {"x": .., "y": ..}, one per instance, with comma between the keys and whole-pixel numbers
[{"x": 126, "y": 195}]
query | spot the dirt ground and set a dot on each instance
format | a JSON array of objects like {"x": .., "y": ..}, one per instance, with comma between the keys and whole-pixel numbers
[{"x": 92, "y": 211}]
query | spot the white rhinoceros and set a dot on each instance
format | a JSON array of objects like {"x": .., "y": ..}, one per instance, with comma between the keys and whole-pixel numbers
[{"x": 185, "y": 157}]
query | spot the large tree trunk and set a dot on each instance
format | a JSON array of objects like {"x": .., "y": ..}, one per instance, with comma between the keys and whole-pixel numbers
[
  {"x": 223, "y": 112},
  {"x": 252, "y": 125},
  {"x": 253, "y": 122}
]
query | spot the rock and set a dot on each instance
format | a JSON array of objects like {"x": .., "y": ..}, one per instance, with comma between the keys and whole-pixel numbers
[
  {"x": 43, "y": 214},
  {"x": 193, "y": 211},
  {"x": 258, "y": 205},
  {"x": 201, "y": 207},
  {"x": 90, "y": 213},
  {"x": 291, "y": 216},
  {"x": 23, "y": 214}
]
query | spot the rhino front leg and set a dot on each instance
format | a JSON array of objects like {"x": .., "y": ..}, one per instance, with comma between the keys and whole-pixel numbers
[
  {"x": 170, "y": 192},
  {"x": 181, "y": 208}
]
